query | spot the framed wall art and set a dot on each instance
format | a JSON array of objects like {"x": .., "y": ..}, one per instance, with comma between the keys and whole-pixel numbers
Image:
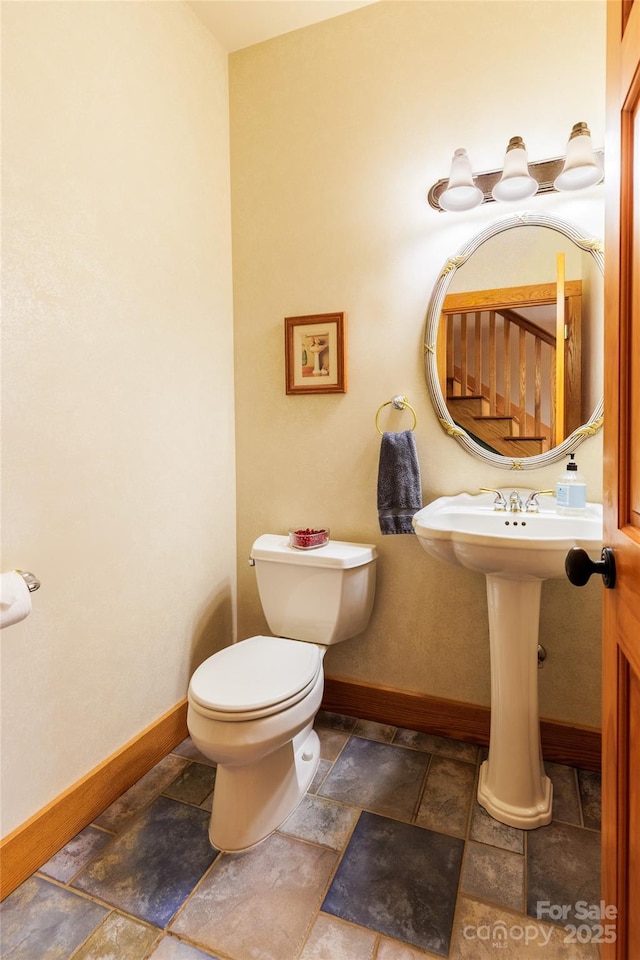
[{"x": 315, "y": 353}]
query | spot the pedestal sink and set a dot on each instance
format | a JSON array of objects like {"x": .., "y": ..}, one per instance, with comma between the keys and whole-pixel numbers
[{"x": 516, "y": 551}]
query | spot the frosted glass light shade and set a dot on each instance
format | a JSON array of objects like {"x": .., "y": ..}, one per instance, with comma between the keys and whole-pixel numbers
[
  {"x": 580, "y": 167},
  {"x": 516, "y": 183},
  {"x": 461, "y": 192}
]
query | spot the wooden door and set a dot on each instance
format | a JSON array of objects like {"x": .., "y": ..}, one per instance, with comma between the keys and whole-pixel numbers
[{"x": 621, "y": 643}]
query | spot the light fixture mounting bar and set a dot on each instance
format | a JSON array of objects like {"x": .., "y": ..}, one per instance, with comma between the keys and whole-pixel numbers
[{"x": 544, "y": 171}]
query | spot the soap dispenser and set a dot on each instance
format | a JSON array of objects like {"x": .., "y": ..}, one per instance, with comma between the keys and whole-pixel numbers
[{"x": 571, "y": 489}]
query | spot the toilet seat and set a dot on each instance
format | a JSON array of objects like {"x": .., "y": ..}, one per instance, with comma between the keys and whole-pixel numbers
[{"x": 255, "y": 678}]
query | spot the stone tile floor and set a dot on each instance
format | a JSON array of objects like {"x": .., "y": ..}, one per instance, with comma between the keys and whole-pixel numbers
[{"x": 388, "y": 857}]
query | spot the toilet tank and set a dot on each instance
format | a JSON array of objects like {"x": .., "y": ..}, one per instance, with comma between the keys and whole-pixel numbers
[{"x": 322, "y": 596}]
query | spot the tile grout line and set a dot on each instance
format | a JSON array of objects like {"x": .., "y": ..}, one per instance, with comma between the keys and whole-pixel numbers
[
  {"x": 579, "y": 792},
  {"x": 421, "y": 792}
]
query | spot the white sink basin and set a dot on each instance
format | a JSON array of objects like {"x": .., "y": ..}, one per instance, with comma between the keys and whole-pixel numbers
[
  {"x": 466, "y": 530},
  {"x": 516, "y": 552}
]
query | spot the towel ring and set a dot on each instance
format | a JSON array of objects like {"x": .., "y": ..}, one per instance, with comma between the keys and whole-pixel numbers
[{"x": 400, "y": 403}]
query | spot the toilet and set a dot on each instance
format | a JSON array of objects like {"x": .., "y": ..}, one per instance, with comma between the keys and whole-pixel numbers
[{"x": 252, "y": 705}]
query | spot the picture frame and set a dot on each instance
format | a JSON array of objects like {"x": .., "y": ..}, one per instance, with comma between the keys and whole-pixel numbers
[{"x": 315, "y": 353}]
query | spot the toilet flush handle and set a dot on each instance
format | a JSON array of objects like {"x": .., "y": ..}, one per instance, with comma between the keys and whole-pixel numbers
[{"x": 252, "y": 562}]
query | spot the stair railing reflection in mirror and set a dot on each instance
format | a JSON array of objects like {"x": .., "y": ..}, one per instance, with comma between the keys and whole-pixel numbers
[{"x": 499, "y": 365}]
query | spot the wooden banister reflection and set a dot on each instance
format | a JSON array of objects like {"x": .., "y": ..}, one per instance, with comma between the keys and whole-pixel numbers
[
  {"x": 560, "y": 338},
  {"x": 509, "y": 366}
]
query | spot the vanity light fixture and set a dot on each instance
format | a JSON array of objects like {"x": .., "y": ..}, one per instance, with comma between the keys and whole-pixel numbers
[
  {"x": 461, "y": 193},
  {"x": 581, "y": 168},
  {"x": 519, "y": 179},
  {"x": 516, "y": 183}
]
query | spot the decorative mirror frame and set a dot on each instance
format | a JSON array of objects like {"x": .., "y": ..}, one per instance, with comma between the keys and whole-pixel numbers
[{"x": 582, "y": 240}]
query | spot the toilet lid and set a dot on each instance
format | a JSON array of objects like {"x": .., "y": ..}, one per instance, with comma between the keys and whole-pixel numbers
[{"x": 260, "y": 675}]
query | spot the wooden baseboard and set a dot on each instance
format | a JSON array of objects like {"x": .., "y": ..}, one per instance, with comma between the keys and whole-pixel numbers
[
  {"x": 33, "y": 843},
  {"x": 561, "y": 742}
]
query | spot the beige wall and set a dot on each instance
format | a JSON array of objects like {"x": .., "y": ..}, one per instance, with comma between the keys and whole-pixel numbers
[
  {"x": 118, "y": 443},
  {"x": 337, "y": 133}
]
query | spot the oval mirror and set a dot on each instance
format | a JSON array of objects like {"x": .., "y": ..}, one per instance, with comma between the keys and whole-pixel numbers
[{"x": 498, "y": 380}]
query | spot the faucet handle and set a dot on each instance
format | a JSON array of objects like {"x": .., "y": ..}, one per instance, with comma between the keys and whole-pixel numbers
[
  {"x": 532, "y": 505},
  {"x": 499, "y": 503}
]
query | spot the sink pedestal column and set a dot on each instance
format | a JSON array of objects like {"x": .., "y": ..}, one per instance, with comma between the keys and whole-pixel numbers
[{"x": 513, "y": 787}]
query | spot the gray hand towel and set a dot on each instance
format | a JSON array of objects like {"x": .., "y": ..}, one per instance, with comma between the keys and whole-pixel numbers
[{"x": 399, "y": 486}]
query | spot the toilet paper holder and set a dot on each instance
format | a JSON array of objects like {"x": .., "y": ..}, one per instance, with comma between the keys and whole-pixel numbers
[{"x": 30, "y": 579}]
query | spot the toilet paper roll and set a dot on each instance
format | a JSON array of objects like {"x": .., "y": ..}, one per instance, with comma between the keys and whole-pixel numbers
[{"x": 15, "y": 599}]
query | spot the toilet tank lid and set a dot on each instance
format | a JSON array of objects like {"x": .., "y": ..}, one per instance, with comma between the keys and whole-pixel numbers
[{"x": 336, "y": 553}]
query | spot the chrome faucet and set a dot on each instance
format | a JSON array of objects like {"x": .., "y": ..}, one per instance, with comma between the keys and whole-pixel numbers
[
  {"x": 532, "y": 505},
  {"x": 499, "y": 503},
  {"x": 515, "y": 502}
]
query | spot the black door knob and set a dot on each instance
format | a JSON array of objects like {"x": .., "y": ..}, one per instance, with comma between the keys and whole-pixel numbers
[{"x": 579, "y": 566}]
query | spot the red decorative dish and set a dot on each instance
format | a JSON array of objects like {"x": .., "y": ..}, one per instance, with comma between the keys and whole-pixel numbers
[{"x": 308, "y": 538}]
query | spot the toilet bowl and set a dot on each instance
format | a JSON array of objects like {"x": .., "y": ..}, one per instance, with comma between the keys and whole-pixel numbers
[{"x": 252, "y": 705}]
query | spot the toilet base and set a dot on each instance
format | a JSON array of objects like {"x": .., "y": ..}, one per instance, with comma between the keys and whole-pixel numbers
[{"x": 251, "y": 801}]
